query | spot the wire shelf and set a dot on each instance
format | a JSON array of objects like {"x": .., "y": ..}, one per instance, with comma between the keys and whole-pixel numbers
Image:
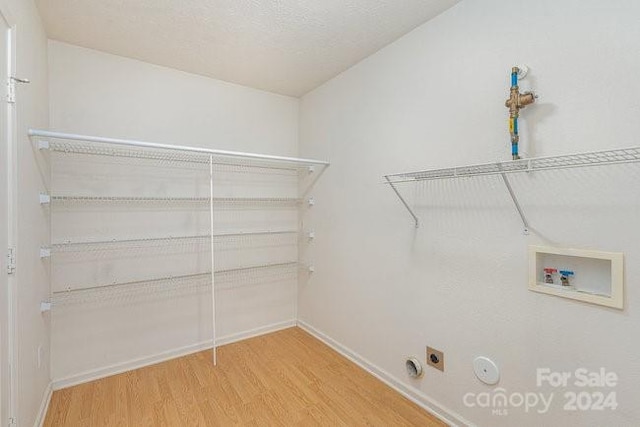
[
  {"x": 200, "y": 279},
  {"x": 116, "y": 244},
  {"x": 130, "y": 289},
  {"x": 166, "y": 157},
  {"x": 87, "y": 148},
  {"x": 127, "y": 251},
  {"x": 181, "y": 200},
  {"x": 595, "y": 158},
  {"x": 172, "y": 287},
  {"x": 103, "y": 146},
  {"x": 251, "y": 277}
]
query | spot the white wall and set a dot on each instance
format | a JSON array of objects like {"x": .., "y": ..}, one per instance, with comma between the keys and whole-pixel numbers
[
  {"x": 102, "y": 94},
  {"x": 99, "y": 94},
  {"x": 435, "y": 98},
  {"x": 32, "y": 223}
]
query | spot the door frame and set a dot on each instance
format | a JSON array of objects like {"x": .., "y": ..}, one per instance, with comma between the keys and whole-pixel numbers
[{"x": 8, "y": 308}]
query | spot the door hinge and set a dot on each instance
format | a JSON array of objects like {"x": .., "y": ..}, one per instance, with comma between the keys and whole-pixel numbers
[
  {"x": 11, "y": 88},
  {"x": 11, "y": 261},
  {"x": 11, "y": 92}
]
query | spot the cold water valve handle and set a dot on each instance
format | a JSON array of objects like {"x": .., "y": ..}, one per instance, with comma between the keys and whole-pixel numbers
[{"x": 564, "y": 277}]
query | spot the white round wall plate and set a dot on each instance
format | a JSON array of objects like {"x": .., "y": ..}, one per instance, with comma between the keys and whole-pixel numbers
[
  {"x": 523, "y": 70},
  {"x": 486, "y": 370}
]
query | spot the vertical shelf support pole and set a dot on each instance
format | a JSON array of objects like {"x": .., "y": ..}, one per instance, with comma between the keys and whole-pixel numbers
[
  {"x": 525, "y": 223},
  {"x": 213, "y": 274},
  {"x": 404, "y": 202}
]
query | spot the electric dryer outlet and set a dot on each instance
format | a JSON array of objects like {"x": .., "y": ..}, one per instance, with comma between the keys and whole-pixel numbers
[{"x": 435, "y": 358}]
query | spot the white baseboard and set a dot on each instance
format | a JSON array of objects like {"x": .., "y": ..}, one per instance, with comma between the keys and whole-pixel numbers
[
  {"x": 256, "y": 332},
  {"x": 141, "y": 362},
  {"x": 129, "y": 365},
  {"x": 414, "y": 395},
  {"x": 44, "y": 406}
]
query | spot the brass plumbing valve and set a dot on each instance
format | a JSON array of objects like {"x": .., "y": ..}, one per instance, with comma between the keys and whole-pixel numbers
[
  {"x": 519, "y": 100},
  {"x": 516, "y": 102}
]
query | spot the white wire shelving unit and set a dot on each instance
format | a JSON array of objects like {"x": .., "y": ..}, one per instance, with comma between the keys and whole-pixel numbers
[
  {"x": 78, "y": 147},
  {"x": 503, "y": 169}
]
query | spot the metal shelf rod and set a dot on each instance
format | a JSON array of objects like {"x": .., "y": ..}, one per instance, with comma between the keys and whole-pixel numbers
[
  {"x": 184, "y": 148},
  {"x": 213, "y": 265}
]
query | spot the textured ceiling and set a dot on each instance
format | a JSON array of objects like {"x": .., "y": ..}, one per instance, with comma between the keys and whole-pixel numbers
[{"x": 283, "y": 46}]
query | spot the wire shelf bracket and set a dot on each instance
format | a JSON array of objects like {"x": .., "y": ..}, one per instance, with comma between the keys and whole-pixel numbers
[
  {"x": 585, "y": 159},
  {"x": 516, "y": 203},
  {"x": 404, "y": 202}
]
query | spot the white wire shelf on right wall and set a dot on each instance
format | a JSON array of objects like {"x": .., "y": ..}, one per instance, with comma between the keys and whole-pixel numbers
[{"x": 585, "y": 159}]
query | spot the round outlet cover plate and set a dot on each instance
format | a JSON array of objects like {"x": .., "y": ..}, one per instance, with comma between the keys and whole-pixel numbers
[{"x": 486, "y": 370}]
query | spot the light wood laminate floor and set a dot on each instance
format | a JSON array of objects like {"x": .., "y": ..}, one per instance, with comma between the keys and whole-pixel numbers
[{"x": 287, "y": 378}]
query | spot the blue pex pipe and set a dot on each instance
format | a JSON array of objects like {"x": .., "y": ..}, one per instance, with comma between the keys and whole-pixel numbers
[{"x": 514, "y": 79}]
